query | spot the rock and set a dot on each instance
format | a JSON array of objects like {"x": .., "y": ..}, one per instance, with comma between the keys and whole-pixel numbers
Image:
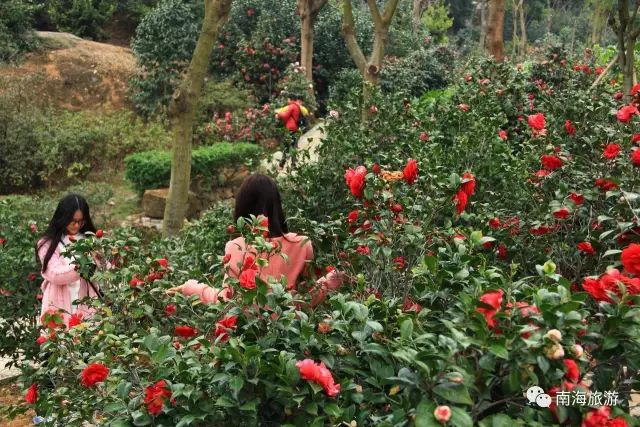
[{"x": 154, "y": 201}]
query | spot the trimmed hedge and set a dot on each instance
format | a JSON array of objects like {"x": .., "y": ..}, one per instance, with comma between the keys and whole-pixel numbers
[{"x": 152, "y": 169}]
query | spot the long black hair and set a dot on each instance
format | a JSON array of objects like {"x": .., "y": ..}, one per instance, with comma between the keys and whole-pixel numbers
[
  {"x": 57, "y": 227},
  {"x": 259, "y": 195}
]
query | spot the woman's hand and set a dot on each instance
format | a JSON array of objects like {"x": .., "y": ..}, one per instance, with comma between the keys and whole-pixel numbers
[
  {"x": 175, "y": 290},
  {"x": 99, "y": 260}
]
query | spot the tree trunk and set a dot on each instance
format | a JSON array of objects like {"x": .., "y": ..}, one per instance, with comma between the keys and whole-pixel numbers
[
  {"x": 182, "y": 112},
  {"x": 494, "y": 42},
  {"x": 549, "y": 16},
  {"x": 514, "y": 37},
  {"x": 629, "y": 69},
  {"x": 598, "y": 21},
  {"x": 483, "y": 5},
  {"x": 306, "y": 39},
  {"x": 523, "y": 31},
  {"x": 308, "y": 11},
  {"x": 419, "y": 7},
  {"x": 369, "y": 68}
]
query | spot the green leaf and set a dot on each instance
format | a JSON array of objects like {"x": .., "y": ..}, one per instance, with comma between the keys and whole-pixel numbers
[
  {"x": 406, "y": 329},
  {"x": 424, "y": 414},
  {"x": 460, "y": 418},
  {"x": 332, "y": 410},
  {"x": 453, "y": 392},
  {"x": 140, "y": 418},
  {"x": 312, "y": 408},
  {"x": 151, "y": 342},
  {"x": 236, "y": 384},
  {"x": 376, "y": 326},
  {"x": 499, "y": 350},
  {"x": 609, "y": 343},
  {"x": 164, "y": 352}
]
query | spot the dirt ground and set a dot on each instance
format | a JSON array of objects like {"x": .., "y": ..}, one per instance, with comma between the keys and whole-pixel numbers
[
  {"x": 76, "y": 74},
  {"x": 10, "y": 394}
]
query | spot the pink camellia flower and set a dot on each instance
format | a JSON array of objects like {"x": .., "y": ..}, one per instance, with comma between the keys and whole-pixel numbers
[
  {"x": 319, "y": 374},
  {"x": 442, "y": 413},
  {"x": 463, "y": 107},
  {"x": 502, "y": 134},
  {"x": 334, "y": 114},
  {"x": 424, "y": 136},
  {"x": 373, "y": 109},
  {"x": 611, "y": 151}
]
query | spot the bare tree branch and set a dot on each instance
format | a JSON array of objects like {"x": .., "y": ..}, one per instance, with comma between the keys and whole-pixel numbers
[{"x": 349, "y": 33}]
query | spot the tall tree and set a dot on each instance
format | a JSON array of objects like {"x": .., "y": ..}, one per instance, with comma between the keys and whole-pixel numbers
[
  {"x": 494, "y": 39},
  {"x": 627, "y": 30},
  {"x": 600, "y": 13},
  {"x": 419, "y": 7},
  {"x": 182, "y": 112},
  {"x": 519, "y": 38},
  {"x": 308, "y": 11},
  {"x": 369, "y": 67}
]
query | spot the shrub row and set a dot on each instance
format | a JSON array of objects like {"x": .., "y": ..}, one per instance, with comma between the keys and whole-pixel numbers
[{"x": 152, "y": 169}]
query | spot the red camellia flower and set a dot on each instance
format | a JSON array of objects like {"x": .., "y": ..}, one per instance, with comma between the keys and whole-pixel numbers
[
  {"x": 551, "y": 162},
  {"x": 170, "y": 309},
  {"x": 424, "y": 136},
  {"x": 410, "y": 172},
  {"x": 162, "y": 262},
  {"x": 185, "y": 331},
  {"x": 355, "y": 180},
  {"x": 352, "y": 217},
  {"x": 93, "y": 374},
  {"x": 410, "y": 305},
  {"x": 611, "y": 151},
  {"x": 155, "y": 395},
  {"x": 536, "y": 121},
  {"x": 502, "y": 252},
  {"x": 540, "y": 230},
  {"x": 494, "y": 300},
  {"x": 630, "y": 258},
  {"x": 606, "y": 184},
  {"x": 31, "y": 396},
  {"x": 226, "y": 258},
  {"x": 231, "y": 229},
  {"x": 573, "y": 372},
  {"x": 135, "y": 282},
  {"x": 597, "y": 418},
  {"x": 41, "y": 340},
  {"x": 576, "y": 198},
  {"x": 376, "y": 168},
  {"x": 363, "y": 250},
  {"x": 586, "y": 248},
  {"x": 502, "y": 134},
  {"x": 625, "y": 113},
  {"x": 568, "y": 126},
  {"x": 494, "y": 223},
  {"x": 224, "y": 326},
  {"x": 99, "y": 233},
  {"x": 75, "y": 320},
  {"x": 248, "y": 279},
  {"x": 399, "y": 262},
  {"x": 396, "y": 208},
  {"x": 442, "y": 414},
  {"x": 468, "y": 183},
  {"x": 635, "y": 138},
  {"x": 319, "y": 374},
  {"x": 561, "y": 213},
  {"x": 461, "y": 199},
  {"x": 635, "y": 157}
]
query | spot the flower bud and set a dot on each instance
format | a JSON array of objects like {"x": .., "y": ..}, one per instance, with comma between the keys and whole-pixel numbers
[
  {"x": 577, "y": 350},
  {"x": 554, "y": 335},
  {"x": 442, "y": 413}
]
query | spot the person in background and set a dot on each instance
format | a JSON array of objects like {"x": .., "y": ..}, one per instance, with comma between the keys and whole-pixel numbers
[
  {"x": 62, "y": 284},
  {"x": 259, "y": 195},
  {"x": 294, "y": 118}
]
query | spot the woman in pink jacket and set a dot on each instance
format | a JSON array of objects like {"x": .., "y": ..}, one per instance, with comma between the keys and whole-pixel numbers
[
  {"x": 259, "y": 195},
  {"x": 62, "y": 284}
]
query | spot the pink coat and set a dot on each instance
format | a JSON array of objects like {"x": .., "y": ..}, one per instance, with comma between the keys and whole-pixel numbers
[
  {"x": 299, "y": 252},
  {"x": 60, "y": 273}
]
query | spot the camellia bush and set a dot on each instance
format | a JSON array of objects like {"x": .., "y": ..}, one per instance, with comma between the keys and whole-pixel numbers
[{"x": 486, "y": 236}]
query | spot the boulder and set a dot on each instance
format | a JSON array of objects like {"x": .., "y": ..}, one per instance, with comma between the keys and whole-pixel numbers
[{"x": 154, "y": 201}]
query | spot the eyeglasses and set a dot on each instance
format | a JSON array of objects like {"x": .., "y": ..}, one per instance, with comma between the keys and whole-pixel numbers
[{"x": 77, "y": 222}]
